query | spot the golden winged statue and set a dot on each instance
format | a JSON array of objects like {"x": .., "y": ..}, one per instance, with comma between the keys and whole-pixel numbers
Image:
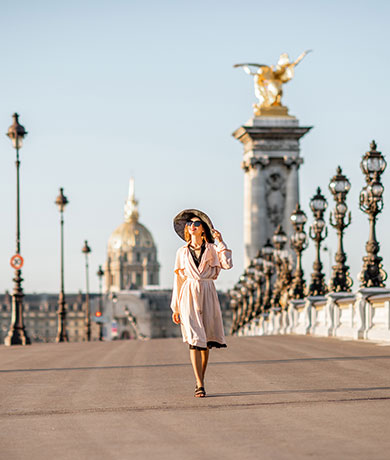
[{"x": 269, "y": 82}]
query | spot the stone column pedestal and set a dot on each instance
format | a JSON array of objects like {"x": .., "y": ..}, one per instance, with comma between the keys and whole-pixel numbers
[
  {"x": 346, "y": 320},
  {"x": 318, "y": 316},
  {"x": 271, "y": 187},
  {"x": 375, "y": 313}
]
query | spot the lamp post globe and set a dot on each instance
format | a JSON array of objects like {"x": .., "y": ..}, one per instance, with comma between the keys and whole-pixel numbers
[
  {"x": 298, "y": 217},
  {"x": 279, "y": 238},
  {"x": 373, "y": 162},
  {"x": 62, "y": 335},
  {"x": 16, "y": 133},
  {"x": 17, "y": 334},
  {"x": 61, "y": 201}
]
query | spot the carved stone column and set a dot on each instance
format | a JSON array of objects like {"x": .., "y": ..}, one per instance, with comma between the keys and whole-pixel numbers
[{"x": 271, "y": 187}]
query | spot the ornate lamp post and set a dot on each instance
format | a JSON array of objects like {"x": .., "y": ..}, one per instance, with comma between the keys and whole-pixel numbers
[
  {"x": 17, "y": 334},
  {"x": 234, "y": 304},
  {"x": 100, "y": 274},
  {"x": 245, "y": 300},
  {"x": 371, "y": 202},
  {"x": 62, "y": 336},
  {"x": 299, "y": 244},
  {"x": 251, "y": 286},
  {"x": 340, "y": 186},
  {"x": 281, "y": 263},
  {"x": 258, "y": 263},
  {"x": 238, "y": 297},
  {"x": 267, "y": 252},
  {"x": 86, "y": 250},
  {"x": 318, "y": 232}
]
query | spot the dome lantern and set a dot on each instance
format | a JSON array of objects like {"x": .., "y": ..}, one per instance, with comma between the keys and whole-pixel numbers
[{"x": 131, "y": 206}]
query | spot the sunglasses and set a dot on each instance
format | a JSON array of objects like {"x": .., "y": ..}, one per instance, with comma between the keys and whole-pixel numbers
[{"x": 197, "y": 223}]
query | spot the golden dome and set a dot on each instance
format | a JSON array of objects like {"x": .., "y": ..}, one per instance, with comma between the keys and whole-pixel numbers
[
  {"x": 132, "y": 255},
  {"x": 129, "y": 235}
]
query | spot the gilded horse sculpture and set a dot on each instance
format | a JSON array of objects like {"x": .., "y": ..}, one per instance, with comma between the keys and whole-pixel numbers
[{"x": 269, "y": 82}]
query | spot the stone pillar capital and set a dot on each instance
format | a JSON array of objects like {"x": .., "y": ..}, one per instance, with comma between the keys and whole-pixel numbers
[
  {"x": 292, "y": 161},
  {"x": 245, "y": 166},
  {"x": 255, "y": 162}
]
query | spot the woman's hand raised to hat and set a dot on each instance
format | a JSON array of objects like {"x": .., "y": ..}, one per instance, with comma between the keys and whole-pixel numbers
[{"x": 216, "y": 235}]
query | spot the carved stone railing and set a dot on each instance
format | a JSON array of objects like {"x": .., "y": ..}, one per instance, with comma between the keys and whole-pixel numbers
[{"x": 361, "y": 315}]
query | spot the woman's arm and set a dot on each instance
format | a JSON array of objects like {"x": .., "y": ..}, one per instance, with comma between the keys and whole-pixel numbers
[
  {"x": 224, "y": 254},
  {"x": 177, "y": 285}
]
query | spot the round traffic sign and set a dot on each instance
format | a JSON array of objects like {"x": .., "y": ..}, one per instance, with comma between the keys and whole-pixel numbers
[{"x": 17, "y": 262}]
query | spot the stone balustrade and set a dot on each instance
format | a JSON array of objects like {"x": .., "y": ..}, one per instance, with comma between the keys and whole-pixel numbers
[{"x": 361, "y": 315}]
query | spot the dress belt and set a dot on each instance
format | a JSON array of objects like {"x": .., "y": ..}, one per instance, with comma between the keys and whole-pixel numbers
[{"x": 200, "y": 279}]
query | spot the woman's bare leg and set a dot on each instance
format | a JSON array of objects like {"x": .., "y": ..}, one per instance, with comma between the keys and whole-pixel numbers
[
  {"x": 205, "y": 358},
  {"x": 196, "y": 361}
]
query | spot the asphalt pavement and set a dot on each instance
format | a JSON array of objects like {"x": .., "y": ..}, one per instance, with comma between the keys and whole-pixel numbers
[{"x": 275, "y": 397}]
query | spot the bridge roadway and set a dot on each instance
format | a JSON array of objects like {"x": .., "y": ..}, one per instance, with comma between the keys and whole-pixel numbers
[{"x": 268, "y": 398}]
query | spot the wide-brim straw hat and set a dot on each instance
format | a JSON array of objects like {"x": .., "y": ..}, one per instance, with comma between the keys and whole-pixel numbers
[{"x": 179, "y": 222}]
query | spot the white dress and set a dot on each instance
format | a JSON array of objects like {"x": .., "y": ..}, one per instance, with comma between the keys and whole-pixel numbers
[{"x": 194, "y": 295}]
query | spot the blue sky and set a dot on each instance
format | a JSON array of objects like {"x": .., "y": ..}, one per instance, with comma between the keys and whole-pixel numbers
[{"x": 113, "y": 89}]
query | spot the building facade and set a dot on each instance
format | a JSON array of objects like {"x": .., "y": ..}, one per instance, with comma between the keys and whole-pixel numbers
[{"x": 41, "y": 317}]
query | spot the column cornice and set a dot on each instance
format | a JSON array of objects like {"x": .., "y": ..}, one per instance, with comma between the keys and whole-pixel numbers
[{"x": 248, "y": 134}]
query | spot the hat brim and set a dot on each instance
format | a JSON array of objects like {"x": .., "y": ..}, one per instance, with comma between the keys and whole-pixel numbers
[{"x": 179, "y": 222}]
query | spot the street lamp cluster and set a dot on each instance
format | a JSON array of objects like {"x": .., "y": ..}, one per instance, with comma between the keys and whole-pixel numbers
[
  {"x": 270, "y": 282},
  {"x": 17, "y": 334}
]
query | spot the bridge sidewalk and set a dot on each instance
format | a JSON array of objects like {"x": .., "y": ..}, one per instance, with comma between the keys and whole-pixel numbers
[{"x": 280, "y": 397}]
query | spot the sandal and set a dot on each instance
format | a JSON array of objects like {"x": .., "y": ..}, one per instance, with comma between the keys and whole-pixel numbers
[{"x": 199, "y": 392}]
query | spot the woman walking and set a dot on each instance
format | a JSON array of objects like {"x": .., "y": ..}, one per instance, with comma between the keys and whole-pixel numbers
[{"x": 195, "y": 303}]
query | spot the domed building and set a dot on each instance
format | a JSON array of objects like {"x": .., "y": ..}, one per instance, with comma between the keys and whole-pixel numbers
[{"x": 131, "y": 254}]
